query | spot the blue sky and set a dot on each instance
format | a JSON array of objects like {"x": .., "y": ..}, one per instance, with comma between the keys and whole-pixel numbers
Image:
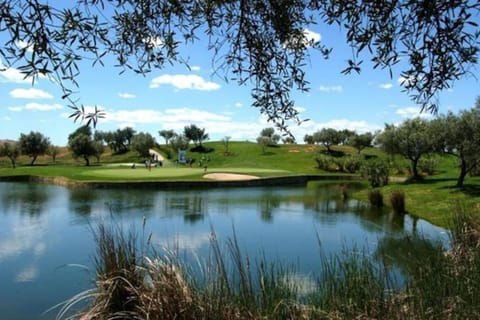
[{"x": 174, "y": 97}]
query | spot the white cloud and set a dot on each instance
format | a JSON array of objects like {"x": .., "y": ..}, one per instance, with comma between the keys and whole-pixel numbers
[
  {"x": 300, "y": 109},
  {"x": 126, "y": 95},
  {"x": 312, "y": 36},
  {"x": 329, "y": 89},
  {"x": 355, "y": 125},
  {"x": 23, "y": 44},
  {"x": 27, "y": 274},
  {"x": 6, "y": 118},
  {"x": 185, "y": 241},
  {"x": 36, "y": 107},
  {"x": 385, "y": 86},
  {"x": 195, "y": 68},
  {"x": 30, "y": 93},
  {"x": 42, "y": 107},
  {"x": 184, "y": 81},
  {"x": 304, "y": 40},
  {"x": 238, "y": 104},
  {"x": 12, "y": 75},
  {"x": 412, "y": 112},
  {"x": 154, "y": 42}
]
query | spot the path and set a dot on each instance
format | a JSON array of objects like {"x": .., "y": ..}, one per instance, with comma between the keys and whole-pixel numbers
[{"x": 156, "y": 155}]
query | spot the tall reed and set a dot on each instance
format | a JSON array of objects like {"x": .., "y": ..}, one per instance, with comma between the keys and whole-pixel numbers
[{"x": 438, "y": 283}]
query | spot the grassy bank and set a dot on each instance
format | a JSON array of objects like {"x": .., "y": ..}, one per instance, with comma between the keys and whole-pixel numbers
[{"x": 135, "y": 283}]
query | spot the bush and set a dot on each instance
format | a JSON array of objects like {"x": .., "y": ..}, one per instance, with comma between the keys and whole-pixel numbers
[
  {"x": 428, "y": 165},
  {"x": 324, "y": 162},
  {"x": 401, "y": 167},
  {"x": 375, "y": 197},
  {"x": 397, "y": 200},
  {"x": 351, "y": 164},
  {"x": 377, "y": 172}
]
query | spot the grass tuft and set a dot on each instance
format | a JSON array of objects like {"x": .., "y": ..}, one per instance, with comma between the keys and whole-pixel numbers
[
  {"x": 397, "y": 201},
  {"x": 375, "y": 197}
]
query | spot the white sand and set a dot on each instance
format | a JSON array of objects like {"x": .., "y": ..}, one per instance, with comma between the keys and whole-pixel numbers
[{"x": 229, "y": 177}]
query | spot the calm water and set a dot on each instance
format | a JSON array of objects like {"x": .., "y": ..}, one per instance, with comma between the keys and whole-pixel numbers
[{"x": 46, "y": 244}]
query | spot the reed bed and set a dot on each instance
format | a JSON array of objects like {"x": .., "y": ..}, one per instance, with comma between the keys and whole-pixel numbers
[{"x": 135, "y": 283}]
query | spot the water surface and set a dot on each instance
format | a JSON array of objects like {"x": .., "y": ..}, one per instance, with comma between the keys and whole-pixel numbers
[{"x": 46, "y": 242}]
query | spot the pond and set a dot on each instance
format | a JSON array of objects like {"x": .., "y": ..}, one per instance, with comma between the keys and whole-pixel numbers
[{"x": 46, "y": 243}]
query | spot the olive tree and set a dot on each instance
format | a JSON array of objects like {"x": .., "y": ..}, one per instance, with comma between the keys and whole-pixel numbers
[
  {"x": 267, "y": 138},
  {"x": 327, "y": 137},
  {"x": 410, "y": 139},
  {"x": 81, "y": 144},
  {"x": 167, "y": 135},
  {"x": 459, "y": 135},
  {"x": 33, "y": 145},
  {"x": 53, "y": 152},
  {"x": 195, "y": 134},
  {"x": 11, "y": 151},
  {"x": 361, "y": 141},
  {"x": 142, "y": 143},
  {"x": 265, "y": 43}
]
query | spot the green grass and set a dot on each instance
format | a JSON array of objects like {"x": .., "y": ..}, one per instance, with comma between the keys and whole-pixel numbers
[{"x": 436, "y": 198}]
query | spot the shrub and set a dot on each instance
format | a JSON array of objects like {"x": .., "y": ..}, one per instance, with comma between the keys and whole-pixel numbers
[
  {"x": 375, "y": 197},
  {"x": 428, "y": 165},
  {"x": 377, "y": 172},
  {"x": 351, "y": 164},
  {"x": 401, "y": 167},
  {"x": 397, "y": 200},
  {"x": 324, "y": 162}
]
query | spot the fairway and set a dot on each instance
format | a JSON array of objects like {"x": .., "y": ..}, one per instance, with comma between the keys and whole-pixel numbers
[{"x": 171, "y": 172}]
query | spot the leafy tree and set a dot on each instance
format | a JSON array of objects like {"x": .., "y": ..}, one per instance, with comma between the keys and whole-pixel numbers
[
  {"x": 269, "y": 133},
  {"x": 459, "y": 135},
  {"x": 308, "y": 139},
  {"x": 33, "y": 145},
  {"x": 195, "y": 134},
  {"x": 127, "y": 134},
  {"x": 11, "y": 151},
  {"x": 327, "y": 137},
  {"x": 179, "y": 142},
  {"x": 167, "y": 135},
  {"x": 53, "y": 152},
  {"x": 142, "y": 143},
  {"x": 411, "y": 139},
  {"x": 81, "y": 143},
  {"x": 98, "y": 148},
  {"x": 288, "y": 140},
  {"x": 266, "y": 43},
  {"x": 361, "y": 141},
  {"x": 264, "y": 142},
  {"x": 345, "y": 135},
  {"x": 118, "y": 140}
]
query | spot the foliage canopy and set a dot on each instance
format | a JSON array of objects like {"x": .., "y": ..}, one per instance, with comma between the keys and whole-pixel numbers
[{"x": 259, "y": 42}]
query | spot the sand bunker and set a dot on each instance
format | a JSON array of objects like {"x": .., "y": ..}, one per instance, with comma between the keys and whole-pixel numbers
[{"x": 229, "y": 177}]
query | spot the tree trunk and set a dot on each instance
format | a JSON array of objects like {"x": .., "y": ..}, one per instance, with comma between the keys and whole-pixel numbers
[
  {"x": 33, "y": 160},
  {"x": 12, "y": 160},
  {"x": 87, "y": 161},
  {"x": 416, "y": 176},
  {"x": 463, "y": 173}
]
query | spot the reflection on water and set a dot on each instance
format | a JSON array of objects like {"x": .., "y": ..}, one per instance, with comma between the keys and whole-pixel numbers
[{"x": 45, "y": 228}]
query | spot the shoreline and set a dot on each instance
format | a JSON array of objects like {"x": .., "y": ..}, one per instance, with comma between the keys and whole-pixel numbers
[{"x": 298, "y": 180}]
